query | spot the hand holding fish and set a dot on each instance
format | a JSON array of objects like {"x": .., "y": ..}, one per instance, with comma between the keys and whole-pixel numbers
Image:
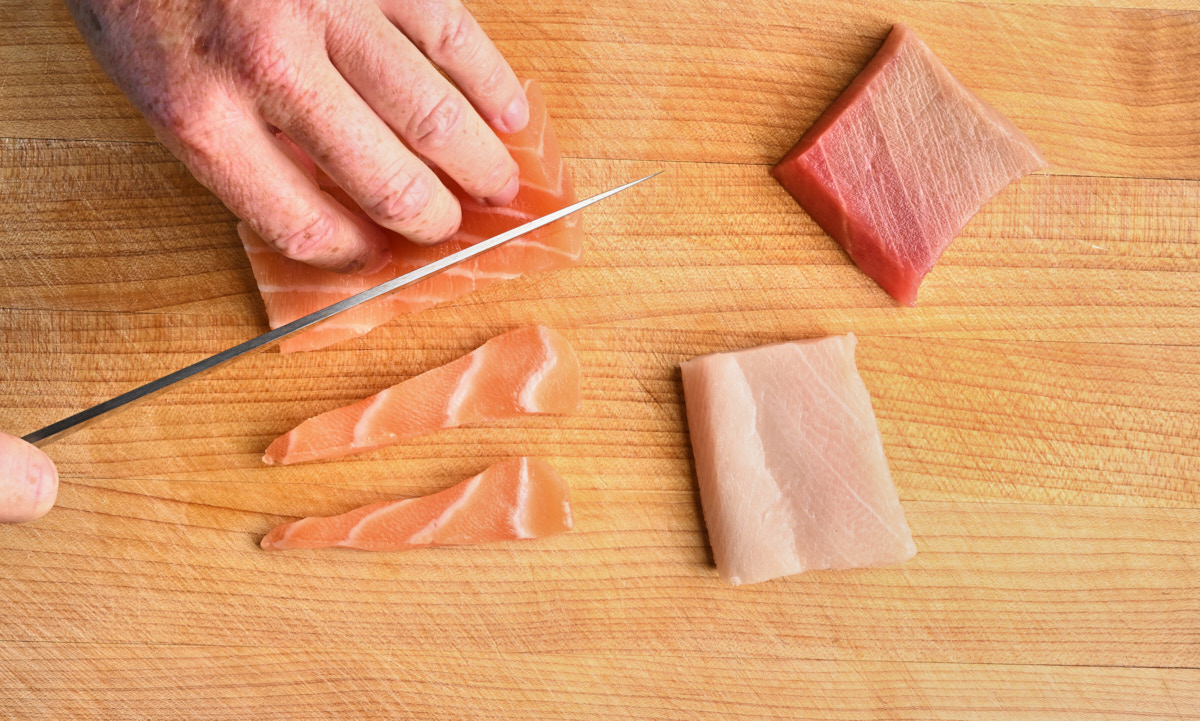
[
  {"x": 28, "y": 481},
  {"x": 351, "y": 83}
]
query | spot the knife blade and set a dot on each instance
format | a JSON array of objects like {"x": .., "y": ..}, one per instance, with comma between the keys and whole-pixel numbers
[{"x": 66, "y": 426}]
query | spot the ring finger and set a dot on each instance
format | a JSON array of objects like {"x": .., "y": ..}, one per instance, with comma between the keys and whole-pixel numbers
[{"x": 338, "y": 130}]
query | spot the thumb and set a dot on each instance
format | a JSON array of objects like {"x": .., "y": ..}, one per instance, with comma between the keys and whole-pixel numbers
[{"x": 28, "y": 481}]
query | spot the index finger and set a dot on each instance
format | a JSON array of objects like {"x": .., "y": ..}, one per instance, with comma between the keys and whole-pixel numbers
[
  {"x": 449, "y": 36},
  {"x": 251, "y": 171}
]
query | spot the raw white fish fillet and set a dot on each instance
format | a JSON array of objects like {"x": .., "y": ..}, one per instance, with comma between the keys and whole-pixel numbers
[{"x": 790, "y": 462}]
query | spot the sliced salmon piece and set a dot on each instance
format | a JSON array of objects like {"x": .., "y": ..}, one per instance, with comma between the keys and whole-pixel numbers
[
  {"x": 291, "y": 289},
  {"x": 790, "y": 462},
  {"x": 530, "y": 370},
  {"x": 515, "y": 499},
  {"x": 901, "y": 161}
]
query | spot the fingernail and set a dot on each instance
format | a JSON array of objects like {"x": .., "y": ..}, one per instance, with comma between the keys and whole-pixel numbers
[
  {"x": 504, "y": 197},
  {"x": 516, "y": 117}
]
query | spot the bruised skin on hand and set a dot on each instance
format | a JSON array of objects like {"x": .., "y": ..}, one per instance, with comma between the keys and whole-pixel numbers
[
  {"x": 28, "y": 481},
  {"x": 352, "y": 82}
]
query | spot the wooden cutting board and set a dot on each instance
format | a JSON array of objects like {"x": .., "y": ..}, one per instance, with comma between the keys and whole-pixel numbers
[{"x": 1039, "y": 407}]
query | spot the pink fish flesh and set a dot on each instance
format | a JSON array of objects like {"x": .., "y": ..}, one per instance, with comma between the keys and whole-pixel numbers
[
  {"x": 901, "y": 161},
  {"x": 790, "y": 462}
]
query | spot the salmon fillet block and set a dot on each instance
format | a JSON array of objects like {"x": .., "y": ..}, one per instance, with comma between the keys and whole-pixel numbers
[
  {"x": 790, "y": 462},
  {"x": 291, "y": 289},
  {"x": 531, "y": 370},
  {"x": 901, "y": 161},
  {"x": 515, "y": 499}
]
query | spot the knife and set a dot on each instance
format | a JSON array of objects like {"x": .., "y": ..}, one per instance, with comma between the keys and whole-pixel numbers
[{"x": 65, "y": 427}]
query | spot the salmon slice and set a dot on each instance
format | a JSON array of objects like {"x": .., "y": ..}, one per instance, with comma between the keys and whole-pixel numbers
[
  {"x": 790, "y": 462},
  {"x": 901, "y": 161},
  {"x": 530, "y": 370},
  {"x": 291, "y": 289},
  {"x": 515, "y": 499}
]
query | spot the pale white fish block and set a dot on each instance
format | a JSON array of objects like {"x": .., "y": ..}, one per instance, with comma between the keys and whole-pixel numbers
[
  {"x": 790, "y": 462},
  {"x": 753, "y": 513}
]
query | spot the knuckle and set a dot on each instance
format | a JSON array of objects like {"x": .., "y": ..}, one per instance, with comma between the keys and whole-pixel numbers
[
  {"x": 319, "y": 232},
  {"x": 497, "y": 176},
  {"x": 436, "y": 126},
  {"x": 266, "y": 62},
  {"x": 456, "y": 34},
  {"x": 195, "y": 127},
  {"x": 493, "y": 83},
  {"x": 401, "y": 200},
  {"x": 178, "y": 118}
]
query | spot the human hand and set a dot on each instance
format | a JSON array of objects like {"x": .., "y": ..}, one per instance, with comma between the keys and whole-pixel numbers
[
  {"x": 342, "y": 79},
  {"x": 28, "y": 481}
]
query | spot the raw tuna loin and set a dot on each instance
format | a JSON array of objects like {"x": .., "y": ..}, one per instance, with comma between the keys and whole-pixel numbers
[{"x": 901, "y": 161}]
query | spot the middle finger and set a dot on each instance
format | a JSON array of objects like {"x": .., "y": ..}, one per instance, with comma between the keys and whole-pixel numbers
[
  {"x": 359, "y": 152},
  {"x": 432, "y": 116}
]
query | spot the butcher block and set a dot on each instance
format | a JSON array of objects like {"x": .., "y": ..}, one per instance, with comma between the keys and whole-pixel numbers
[{"x": 1040, "y": 407}]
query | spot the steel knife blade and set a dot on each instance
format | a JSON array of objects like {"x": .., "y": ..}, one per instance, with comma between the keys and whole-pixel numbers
[{"x": 69, "y": 425}]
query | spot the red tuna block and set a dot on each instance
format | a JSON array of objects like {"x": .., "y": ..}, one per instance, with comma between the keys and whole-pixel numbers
[{"x": 901, "y": 161}]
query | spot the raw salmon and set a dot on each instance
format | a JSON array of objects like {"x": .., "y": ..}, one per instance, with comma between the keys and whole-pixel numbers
[
  {"x": 901, "y": 161},
  {"x": 790, "y": 462},
  {"x": 514, "y": 499},
  {"x": 291, "y": 289},
  {"x": 528, "y": 370}
]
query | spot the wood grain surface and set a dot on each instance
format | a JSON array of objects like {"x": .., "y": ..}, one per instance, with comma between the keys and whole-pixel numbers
[{"x": 1039, "y": 407}]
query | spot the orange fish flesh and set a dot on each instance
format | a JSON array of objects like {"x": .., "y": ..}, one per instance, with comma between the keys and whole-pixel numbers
[
  {"x": 531, "y": 370},
  {"x": 291, "y": 289},
  {"x": 515, "y": 499}
]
